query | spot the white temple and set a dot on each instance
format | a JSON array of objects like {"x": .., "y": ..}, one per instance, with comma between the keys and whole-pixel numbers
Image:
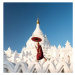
[
  {"x": 59, "y": 60},
  {"x": 30, "y": 45}
]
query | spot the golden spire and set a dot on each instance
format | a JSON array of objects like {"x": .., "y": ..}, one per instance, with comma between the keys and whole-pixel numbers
[{"x": 38, "y": 21}]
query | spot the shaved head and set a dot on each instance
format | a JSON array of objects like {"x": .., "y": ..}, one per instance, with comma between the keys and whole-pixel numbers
[{"x": 37, "y": 43}]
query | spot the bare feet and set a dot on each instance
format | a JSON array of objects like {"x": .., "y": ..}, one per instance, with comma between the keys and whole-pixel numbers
[{"x": 45, "y": 60}]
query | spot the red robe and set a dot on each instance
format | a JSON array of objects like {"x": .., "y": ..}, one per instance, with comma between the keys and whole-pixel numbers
[{"x": 39, "y": 53}]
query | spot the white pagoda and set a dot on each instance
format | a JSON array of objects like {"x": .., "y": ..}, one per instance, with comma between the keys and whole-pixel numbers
[
  {"x": 30, "y": 45},
  {"x": 59, "y": 60}
]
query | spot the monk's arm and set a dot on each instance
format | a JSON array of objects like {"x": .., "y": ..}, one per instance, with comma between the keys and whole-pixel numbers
[{"x": 35, "y": 47}]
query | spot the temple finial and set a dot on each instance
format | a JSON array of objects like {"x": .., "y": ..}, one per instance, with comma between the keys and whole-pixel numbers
[{"x": 38, "y": 20}]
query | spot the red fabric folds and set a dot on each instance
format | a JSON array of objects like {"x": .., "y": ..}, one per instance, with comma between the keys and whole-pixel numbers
[{"x": 39, "y": 53}]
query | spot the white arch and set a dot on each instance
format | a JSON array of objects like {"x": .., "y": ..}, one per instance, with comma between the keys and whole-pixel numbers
[
  {"x": 61, "y": 65},
  {"x": 36, "y": 65},
  {"x": 49, "y": 65},
  {"x": 21, "y": 66},
  {"x": 9, "y": 66}
]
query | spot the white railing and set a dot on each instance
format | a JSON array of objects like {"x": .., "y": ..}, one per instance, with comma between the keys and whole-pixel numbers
[{"x": 37, "y": 67}]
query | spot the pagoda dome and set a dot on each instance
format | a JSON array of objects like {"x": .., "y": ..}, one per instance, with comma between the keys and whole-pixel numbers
[{"x": 38, "y": 33}]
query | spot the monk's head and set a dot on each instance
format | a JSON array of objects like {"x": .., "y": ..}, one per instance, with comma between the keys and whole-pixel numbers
[{"x": 37, "y": 43}]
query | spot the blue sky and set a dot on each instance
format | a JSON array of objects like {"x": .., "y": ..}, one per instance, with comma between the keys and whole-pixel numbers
[{"x": 56, "y": 21}]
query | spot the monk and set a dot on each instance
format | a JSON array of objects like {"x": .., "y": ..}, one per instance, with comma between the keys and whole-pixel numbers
[{"x": 39, "y": 55}]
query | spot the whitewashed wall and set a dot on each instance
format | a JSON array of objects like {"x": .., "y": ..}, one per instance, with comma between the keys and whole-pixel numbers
[{"x": 59, "y": 60}]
